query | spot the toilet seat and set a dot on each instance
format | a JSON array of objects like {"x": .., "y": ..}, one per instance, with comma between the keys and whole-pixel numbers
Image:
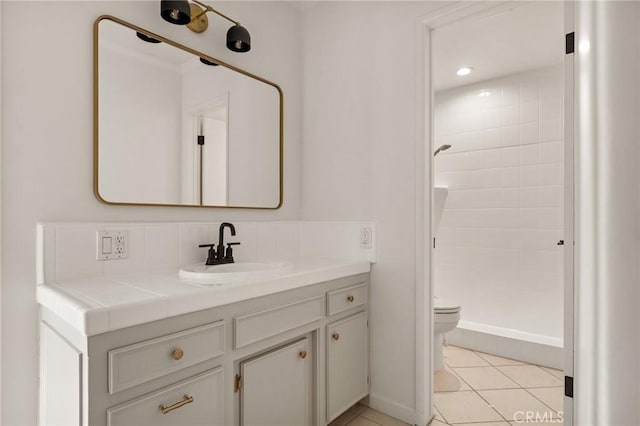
[{"x": 443, "y": 306}]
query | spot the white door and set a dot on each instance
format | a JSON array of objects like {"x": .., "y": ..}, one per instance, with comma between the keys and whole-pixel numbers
[
  {"x": 347, "y": 364},
  {"x": 277, "y": 387}
]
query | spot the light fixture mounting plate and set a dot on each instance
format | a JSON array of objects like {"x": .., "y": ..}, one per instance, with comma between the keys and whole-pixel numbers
[{"x": 201, "y": 23}]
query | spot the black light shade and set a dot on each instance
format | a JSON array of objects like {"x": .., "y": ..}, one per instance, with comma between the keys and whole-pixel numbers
[
  {"x": 238, "y": 39},
  {"x": 146, "y": 38},
  {"x": 176, "y": 12},
  {"x": 206, "y": 62}
]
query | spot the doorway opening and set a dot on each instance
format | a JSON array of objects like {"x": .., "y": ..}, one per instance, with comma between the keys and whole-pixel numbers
[{"x": 502, "y": 200}]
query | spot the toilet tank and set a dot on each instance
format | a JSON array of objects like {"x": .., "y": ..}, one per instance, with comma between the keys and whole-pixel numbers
[{"x": 439, "y": 197}]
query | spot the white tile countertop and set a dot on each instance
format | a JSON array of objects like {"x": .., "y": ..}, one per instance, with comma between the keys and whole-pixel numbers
[{"x": 106, "y": 303}]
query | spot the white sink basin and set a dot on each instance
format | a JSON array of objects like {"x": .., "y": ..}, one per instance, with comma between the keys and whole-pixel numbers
[{"x": 233, "y": 272}]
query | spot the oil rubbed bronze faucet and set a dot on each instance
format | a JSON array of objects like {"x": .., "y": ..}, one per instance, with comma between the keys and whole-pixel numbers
[{"x": 221, "y": 256}]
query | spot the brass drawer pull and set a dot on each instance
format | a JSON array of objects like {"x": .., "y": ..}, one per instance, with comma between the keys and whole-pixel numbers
[
  {"x": 186, "y": 400},
  {"x": 177, "y": 354},
  {"x": 303, "y": 354},
  {"x": 335, "y": 336},
  {"x": 350, "y": 298}
]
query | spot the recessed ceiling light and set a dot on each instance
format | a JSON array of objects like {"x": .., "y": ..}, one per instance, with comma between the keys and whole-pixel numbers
[
  {"x": 464, "y": 71},
  {"x": 484, "y": 93}
]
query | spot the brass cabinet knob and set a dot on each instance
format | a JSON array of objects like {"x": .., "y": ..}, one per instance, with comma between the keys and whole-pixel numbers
[
  {"x": 350, "y": 298},
  {"x": 302, "y": 354},
  {"x": 335, "y": 336},
  {"x": 177, "y": 354}
]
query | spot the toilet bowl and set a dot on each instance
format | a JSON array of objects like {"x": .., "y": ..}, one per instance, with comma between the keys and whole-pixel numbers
[{"x": 446, "y": 315}]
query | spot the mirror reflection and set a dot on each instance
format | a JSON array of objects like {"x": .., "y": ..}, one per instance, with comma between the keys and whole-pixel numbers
[{"x": 176, "y": 128}]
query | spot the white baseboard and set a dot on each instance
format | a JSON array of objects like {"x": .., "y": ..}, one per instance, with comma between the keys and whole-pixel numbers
[
  {"x": 392, "y": 408},
  {"x": 536, "y": 350}
]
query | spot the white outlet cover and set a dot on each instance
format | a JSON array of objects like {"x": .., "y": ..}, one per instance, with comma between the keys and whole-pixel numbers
[
  {"x": 365, "y": 237},
  {"x": 111, "y": 245}
]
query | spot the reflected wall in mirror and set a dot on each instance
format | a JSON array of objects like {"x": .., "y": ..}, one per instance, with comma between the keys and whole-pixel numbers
[{"x": 177, "y": 127}]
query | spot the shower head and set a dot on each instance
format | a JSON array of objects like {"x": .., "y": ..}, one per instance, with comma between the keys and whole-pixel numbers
[{"x": 441, "y": 148}]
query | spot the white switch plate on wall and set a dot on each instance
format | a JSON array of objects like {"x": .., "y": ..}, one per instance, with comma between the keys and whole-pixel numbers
[
  {"x": 365, "y": 237},
  {"x": 112, "y": 245}
]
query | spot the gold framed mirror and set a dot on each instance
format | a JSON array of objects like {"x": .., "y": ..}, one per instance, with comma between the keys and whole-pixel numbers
[{"x": 176, "y": 127}]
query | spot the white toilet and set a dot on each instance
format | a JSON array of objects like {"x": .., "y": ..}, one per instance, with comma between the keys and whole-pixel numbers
[{"x": 446, "y": 315}]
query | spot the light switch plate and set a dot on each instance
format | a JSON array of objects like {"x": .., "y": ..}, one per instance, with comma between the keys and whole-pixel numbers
[
  {"x": 112, "y": 245},
  {"x": 366, "y": 234}
]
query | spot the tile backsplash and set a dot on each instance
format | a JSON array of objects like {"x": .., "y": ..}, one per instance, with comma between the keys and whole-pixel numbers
[{"x": 67, "y": 251}]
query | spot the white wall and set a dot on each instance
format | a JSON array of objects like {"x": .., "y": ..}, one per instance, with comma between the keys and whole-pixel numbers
[
  {"x": 360, "y": 121},
  {"x": 144, "y": 130},
  {"x": 47, "y": 170},
  {"x": 607, "y": 228},
  {"x": 496, "y": 249}
]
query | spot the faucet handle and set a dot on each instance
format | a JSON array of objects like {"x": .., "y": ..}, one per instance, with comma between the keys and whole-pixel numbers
[
  {"x": 211, "y": 254},
  {"x": 229, "y": 253}
]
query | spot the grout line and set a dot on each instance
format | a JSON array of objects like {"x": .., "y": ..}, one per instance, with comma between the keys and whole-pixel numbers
[
  {"x": 491, "y": 405},
  {"x": 543, "y": 403},
  {"x": 502, "y": 372},
  {"x": 476, "y": 392}
]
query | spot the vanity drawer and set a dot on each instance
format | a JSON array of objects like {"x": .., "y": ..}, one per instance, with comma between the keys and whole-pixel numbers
[
  {"x": 346, "y": 298},
  {"x": 195, "y": 401},
  {"x": 139, "y": 363},
  {"x": 261, "y": 325}
]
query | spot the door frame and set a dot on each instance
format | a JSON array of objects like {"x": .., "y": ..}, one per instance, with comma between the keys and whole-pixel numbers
[{"x": 425, "y": 25}]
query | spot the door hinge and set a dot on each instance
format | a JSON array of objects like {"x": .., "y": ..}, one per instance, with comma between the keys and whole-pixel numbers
[
  {"x": 570, "y": 43},
  {"x": 200, "y": 139},
  {"x": 568, "y": 386},
  {"x": 237, "y": 384},
  {"x": 367, "y": 379},
  {"x": 434, "y": 242},
  {"x": 367, "y": 323}
]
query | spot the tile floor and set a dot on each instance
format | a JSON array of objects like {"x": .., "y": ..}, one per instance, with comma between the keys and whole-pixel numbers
[
  {"x": 487, "y": 390},
  {"x": 478, "y": 389},
  {"x": 360, "y": 415}
]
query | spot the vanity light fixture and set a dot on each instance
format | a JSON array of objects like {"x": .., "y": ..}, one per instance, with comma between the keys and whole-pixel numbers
[
  {"x": 207, "y": 62},
  {"x": 238, "y": 38},
  {"x": 144, "y": 37},
  {"x": 464, "y": 71},
  {"x": 175, "y": 12}
]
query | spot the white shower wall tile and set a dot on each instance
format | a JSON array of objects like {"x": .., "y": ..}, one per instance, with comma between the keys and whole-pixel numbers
[
  {"x": 496, "y": 244},
  {"x": 529, "y": 133},
  {"x": 67, "y": 251},
  {"x": 529, "y": 112}
]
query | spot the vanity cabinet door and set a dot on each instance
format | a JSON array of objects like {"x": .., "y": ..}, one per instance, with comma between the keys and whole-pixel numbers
[
  {"x": 347, "y": 364},
  {"x": 277, "y": 387}
]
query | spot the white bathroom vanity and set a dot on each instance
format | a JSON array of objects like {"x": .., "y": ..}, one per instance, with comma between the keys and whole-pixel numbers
[{"x": 285, "y": 350}]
